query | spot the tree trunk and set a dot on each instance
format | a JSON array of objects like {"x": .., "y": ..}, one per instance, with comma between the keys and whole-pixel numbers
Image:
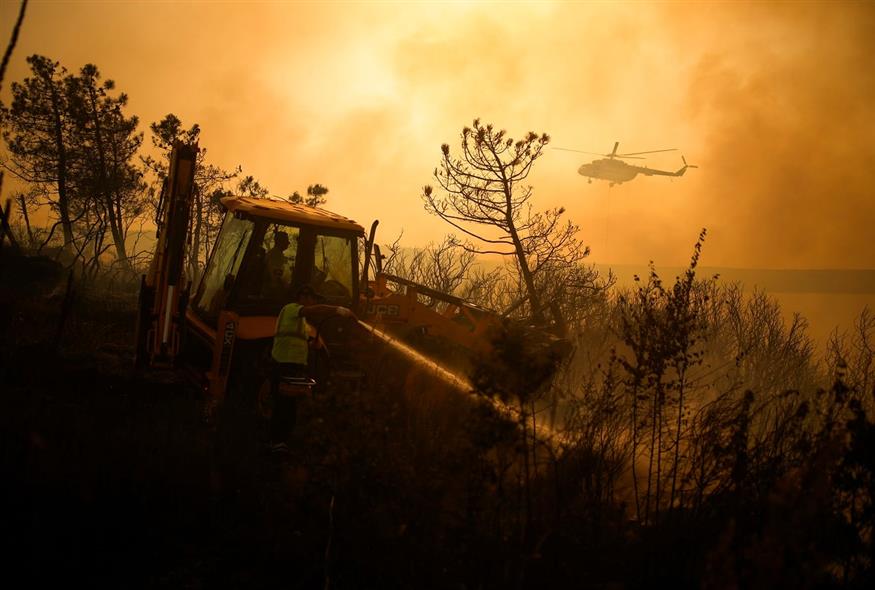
[
  {"x": 660, "y": 396},
  {"x": 650, "y": 463},
  {"x": 524, "y": 422},
  {"x": 23, "y": 204},
  {"x": 677, "y": 440},
  {"x": 534, "y": 299},
  {"x": 635, "y": 453},
  {"x": 113, "y": 216},
  {"x": 63, "y": 198}
]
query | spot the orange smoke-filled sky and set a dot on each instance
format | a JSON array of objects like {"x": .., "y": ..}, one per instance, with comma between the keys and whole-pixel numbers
[{"x": 774, "y": 102}]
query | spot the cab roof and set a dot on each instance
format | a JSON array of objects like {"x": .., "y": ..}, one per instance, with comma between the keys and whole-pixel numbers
[{"x": 284, "y": 211}]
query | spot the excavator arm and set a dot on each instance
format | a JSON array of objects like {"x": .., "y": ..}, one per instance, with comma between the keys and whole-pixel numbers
[{"x": 164, "y": 288}]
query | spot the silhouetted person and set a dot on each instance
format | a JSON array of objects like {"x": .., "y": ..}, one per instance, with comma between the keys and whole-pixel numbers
[
  {"x": 290, "y": 355},
  {"x": 275, "y": 265}
]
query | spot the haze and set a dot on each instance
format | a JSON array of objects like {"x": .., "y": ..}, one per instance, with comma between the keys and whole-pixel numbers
[{"x": 775, "y": 103}]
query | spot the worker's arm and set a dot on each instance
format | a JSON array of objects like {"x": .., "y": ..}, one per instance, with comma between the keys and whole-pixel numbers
[
  {"x": 321, "y": 311},
  {"x": 314, "y": 315}
]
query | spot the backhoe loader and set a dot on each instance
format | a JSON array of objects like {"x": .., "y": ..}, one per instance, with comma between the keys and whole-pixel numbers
[{"x": 220, "y": 327}]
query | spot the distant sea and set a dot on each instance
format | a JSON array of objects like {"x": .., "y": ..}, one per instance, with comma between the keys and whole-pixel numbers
[{"x": 829, "y": 299}]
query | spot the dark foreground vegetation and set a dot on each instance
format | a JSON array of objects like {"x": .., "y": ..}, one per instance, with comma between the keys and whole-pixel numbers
[{"x": 697, "y": 442}]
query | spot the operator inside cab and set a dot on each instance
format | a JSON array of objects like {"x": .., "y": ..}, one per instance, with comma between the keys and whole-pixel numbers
[{"x": 278, "y": 266}]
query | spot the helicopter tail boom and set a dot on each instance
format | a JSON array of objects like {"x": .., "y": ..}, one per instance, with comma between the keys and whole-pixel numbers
[{"x": 654, "y": 172}]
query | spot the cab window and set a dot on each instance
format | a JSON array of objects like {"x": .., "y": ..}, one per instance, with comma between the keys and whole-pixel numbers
[
  {"x": 332, "y": 271},
  {"x": 280, "y": 247},
  {"x": 223, "y": 265}
]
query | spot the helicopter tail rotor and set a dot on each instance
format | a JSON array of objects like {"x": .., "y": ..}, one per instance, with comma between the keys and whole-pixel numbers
[{"x": 684, "y": 169}]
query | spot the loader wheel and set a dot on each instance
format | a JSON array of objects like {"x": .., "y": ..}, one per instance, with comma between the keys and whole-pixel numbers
[
  {"x": 239, "y": 421},
  {"x": 241, "y": 392},
  {"x": 248, "y": 372}
]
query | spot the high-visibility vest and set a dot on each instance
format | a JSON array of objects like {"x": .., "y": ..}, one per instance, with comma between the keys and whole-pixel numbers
[{"x": 290, "y": 339}]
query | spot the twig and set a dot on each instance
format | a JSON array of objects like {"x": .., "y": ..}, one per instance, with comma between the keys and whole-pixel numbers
[
  {"x": 5, "y": 230},
  {"x": 12, "y": 41}
]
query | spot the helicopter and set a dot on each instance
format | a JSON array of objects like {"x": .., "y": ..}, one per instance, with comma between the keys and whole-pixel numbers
[{"x": 612, "y": 168}]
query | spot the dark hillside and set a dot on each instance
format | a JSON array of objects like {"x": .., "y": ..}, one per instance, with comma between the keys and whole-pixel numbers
[{"x": 115, "y": 480}]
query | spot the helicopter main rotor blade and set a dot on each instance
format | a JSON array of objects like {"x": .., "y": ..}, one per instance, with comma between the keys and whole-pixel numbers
[
  {"x": 578, "y": 151},
  {"x": 650, "y": 152},
  {"x": 629, "y": 157}
]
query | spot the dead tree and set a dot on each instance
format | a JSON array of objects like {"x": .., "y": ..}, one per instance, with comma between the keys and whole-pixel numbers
[{"x": 484, "y": 197}]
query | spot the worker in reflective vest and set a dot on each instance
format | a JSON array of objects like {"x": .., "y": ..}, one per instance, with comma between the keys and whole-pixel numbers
[
  {"x": 290, "y": 342},
  {"x": 290, "y": 354}
]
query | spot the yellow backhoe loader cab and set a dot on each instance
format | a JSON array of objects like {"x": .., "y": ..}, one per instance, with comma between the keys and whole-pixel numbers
[{"x": 268, "y": 249}]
